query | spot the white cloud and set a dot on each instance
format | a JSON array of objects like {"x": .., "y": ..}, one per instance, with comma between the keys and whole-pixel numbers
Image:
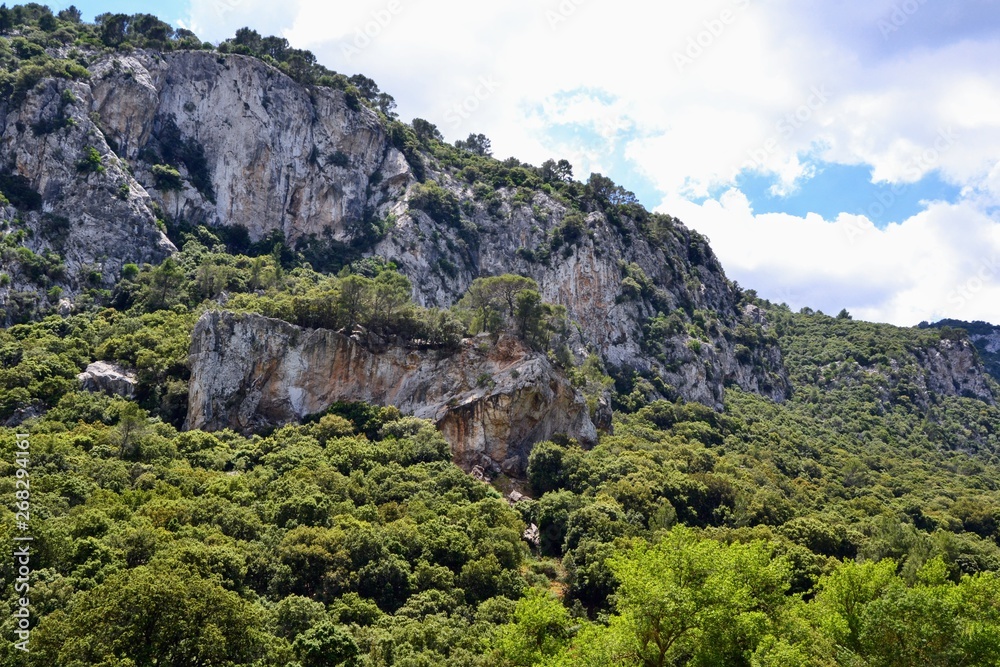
[
  {"x": 691, "y": 94},
  {"x": 942, "y": 262}
]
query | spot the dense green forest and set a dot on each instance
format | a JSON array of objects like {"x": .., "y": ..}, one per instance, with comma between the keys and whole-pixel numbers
[
  {"x": 857, "y": 524},
  {"x": 853, "y": 525}
]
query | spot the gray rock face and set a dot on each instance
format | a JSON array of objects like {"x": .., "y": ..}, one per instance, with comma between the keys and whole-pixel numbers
[
  {"x": 953, "y": 368},
  {"x": 102, "y": 376},
  {"x": 680, "y": 275},
  {"x": 491, "y": 401},
  {"x": 70, "y": 195},
  {"x": 257, "y": 149},
  {"x": 252, "y": 147}
]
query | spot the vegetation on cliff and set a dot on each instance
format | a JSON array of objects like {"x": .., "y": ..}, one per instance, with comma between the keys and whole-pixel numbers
[{"x": 856, "y": 524}]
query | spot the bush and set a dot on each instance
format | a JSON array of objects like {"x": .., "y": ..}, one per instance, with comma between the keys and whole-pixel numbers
[
  {"x": 436, "y": 202},
  {"x": 91, "y": 162},
  {"x": 167, "y": 177}
]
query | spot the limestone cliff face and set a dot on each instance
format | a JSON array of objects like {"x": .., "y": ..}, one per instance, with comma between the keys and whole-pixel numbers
[
  {"x": 252, "y": 148},
  {"x": 952, "y": 368},
  {"x": 679, "y": 274},
  {"x": 256, "y": 148},
  {"x": 69, "y": 195},
  {"x": 491, "y": 401}
]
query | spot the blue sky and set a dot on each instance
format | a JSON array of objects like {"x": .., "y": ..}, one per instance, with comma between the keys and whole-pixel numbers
[
  {"x": 837, "y": 153},
  {"x": 168, "y": 11},
  {"x": 837, "y": 188}
]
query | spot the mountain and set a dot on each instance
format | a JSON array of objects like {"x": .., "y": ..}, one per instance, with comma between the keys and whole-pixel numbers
[
  {"x": 263, "y": 157},
  {"x": 258, "y": 333}
]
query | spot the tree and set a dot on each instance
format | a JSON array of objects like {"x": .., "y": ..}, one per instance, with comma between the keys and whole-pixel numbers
[
  {"x": 164, "y": 285},
  {"x": 425, "y": 130},
  {"x": 390, "y": 297},
  {"x": 113, "y": 29},
  {"x": 688, "y": 600},
  {"x": 494, "y": 301},
  {"x": 149, "y": 30},
  {"x": 436, "y": 202},
  {"x": 47, "y": 23},
  {"x": 301, "y": 65},
  {"x": 545, "y": 467},
  {"x": 326, "y": 645},
  {"x": 557, "y": 171},
  {"x": 386, "y": 104},
  {"x": 476, "y": 143},
  {"x": 539, "y": 631},
  {"x": 71, "y": 14},
  {"x": 554, "y": 510},
  {"x": 605, "y": 192},
  {"x": 366, "y": 87},
  {"x": 248, "y": 38},
  {"x": 163, "y": 615},
  {"x": 131, "y": 427}
]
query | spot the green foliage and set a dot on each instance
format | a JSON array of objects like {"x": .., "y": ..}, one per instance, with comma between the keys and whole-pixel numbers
[
  {"x": 151, "y": 615},
  {"x": 91, "y": 162},
  {"x": 312, "y": 544},
  {"x": 476, "y": 143},
  {"x": 166, "y": 177},
  {"x": 512, "y": 304},
  {"x": 436, "y": 202}
]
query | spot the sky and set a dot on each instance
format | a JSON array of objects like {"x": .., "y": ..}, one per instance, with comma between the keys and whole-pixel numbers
[{"x": 837, "y": 154}]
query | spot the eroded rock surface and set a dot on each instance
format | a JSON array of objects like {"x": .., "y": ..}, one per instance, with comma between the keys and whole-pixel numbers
[{"x": 492, "y": 401}]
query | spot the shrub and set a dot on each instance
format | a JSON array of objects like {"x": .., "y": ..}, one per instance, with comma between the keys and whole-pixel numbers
[
  {"x": 436, "y": 202},
  {"x": 167, "y": 177}
]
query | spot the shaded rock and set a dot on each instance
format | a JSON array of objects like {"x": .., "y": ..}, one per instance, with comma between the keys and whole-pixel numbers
[{"x": 22, "y": 415}]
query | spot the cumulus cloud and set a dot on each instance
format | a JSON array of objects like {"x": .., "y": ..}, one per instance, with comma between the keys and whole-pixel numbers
[{"x": 942, "y": 262}]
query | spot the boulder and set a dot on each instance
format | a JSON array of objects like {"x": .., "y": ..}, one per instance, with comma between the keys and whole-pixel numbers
[{"x": 109, "y": 378}]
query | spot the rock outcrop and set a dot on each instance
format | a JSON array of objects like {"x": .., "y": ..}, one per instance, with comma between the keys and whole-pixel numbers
[
  {"x": 984, "y": 336},
  {"x": 492, "y": 401},
  {"x": 102, "y": 376},
  {"x": 255, "y": 148},
  {"x": 953, "y": 368}
]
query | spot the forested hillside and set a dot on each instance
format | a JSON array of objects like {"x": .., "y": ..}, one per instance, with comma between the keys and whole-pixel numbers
[{"x": 768, "y": 487}]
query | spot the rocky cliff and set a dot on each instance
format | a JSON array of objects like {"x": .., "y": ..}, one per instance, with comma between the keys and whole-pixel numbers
[
  {"x": 90, "y": 166},
  {"x": 953, "y": 368},
  {"x": 983, "y": 335},
  {"x": 253, "y": 149},
  {"x": 492, "y": 401}
]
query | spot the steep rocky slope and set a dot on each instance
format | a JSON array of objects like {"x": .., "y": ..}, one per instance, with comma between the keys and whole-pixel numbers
[
  {"x": 96, "y": 168},
  {"x": 986, "y": 338},
  {"x": 255, "y": 150},
  {"x": 491, "y": 401},
  {"x": 83, "y": 163},
  {"x": 613, "y": 280}
]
